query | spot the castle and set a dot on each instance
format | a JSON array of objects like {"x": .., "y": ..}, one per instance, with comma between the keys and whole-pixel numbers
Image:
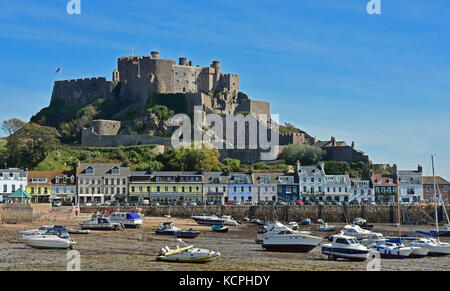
[{"x": 136, "y": 77}]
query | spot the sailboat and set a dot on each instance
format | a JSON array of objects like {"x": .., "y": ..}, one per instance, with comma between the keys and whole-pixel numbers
[{"x": 445, "y": 230}]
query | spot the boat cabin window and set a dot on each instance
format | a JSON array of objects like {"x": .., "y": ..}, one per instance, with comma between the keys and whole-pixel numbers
[
  {"x": 341, "y": 241},
  {"x": 352, "y": 241}
]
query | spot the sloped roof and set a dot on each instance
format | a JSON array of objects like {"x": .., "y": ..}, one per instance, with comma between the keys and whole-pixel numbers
[
  {"x": 384, "y": 180},
  {"x": 20, "y": 194},
  {"x": 439, "y": 180}
]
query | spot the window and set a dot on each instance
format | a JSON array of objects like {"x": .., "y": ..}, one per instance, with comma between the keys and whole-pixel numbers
[
  {"x": 89, "y": 171},
  {"x": 428, "y": 188},
  {"x": 115, "y": 171},
  {"x": 446, "y": 188},
  {"x": 5, "y": 188}
]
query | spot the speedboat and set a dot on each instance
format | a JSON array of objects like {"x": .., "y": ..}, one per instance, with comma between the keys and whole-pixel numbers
[
  {"x": 444, "y": 231},
  {"x": 345, "y": 247},
  {"x": 220, "y": 228},
  {"x": 436, "y": 247},
  {"x": 320, "y": 221},
  {"x": 326, "y": 227},
  {"x": 306, "y": 221},
  {"x": 189, "y": 254},
  {"x": 373, "y": 239},
  {"x": 288, "y": 240},
  {"x": 169, "y": 228},
  {"x": 268, "y": 230},
  {"x": 101, "y": 223},
  {"x": 390, "y": 250},
  {"x": 362, "y": 223},
  {"x": 293, "y": 225},
  {"x": 53, "y": 239},
  {"x": 356, "y": 231},
  {"x": 128, "y": 219},
  {"x": 213, "y": 220}
]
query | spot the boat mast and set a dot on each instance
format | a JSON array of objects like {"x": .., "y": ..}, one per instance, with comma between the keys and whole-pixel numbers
[
  {"x": 398, "y": 213},
  {"x": 435, "y": 199}
]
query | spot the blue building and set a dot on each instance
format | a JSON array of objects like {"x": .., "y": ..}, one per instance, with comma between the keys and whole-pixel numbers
[
  {"x": 288, "y": 188},
  {"x": 240, "y": 188}
]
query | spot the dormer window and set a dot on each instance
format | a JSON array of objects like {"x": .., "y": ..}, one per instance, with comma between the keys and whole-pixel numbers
[
  {"x": 65, "y": 179},
  {"x": 72, "y": 179},
  {"x": 115, "y": 170},
  {"x": 378, "y": 181},
  {"x": 390, "y": 181},
  {"x": 57, "y": 180},
  {"x": 90, "y": 170}
]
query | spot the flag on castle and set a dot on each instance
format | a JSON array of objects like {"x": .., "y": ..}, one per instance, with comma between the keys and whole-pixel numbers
[{"x": 59, "y": 69}]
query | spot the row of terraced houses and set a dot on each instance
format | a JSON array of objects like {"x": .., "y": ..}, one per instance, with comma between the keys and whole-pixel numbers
[{"x": 101, "y": 182}]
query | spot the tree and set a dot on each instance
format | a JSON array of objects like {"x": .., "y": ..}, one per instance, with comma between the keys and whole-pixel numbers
[
  {"x": 306, "y": 154},
  {"x": 232, "y": 164},
  {"x": 12, "y": 125},
  {"x": 337, "y": 168}
]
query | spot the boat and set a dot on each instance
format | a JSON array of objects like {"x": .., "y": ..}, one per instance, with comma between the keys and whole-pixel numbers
[
  {"x": 169, "y": 228},
  {"x": 288, "y": 240},
  {"x": 78, "y": 231},
  {"x": 320, "y": 221},
  {"x": 220, "y": 228},
  {"x": 293, "y": 225},
  {"x": 306, "y": 221},
  {"x": 128, "y": 219},
  {"x": 101, "y": 223},
  {"x": 362, "y": 223},
  {"x": 419, "y": 249},
  {"x": 389, "y": 250},
  {"x": 213, "y": 220},
  {"x": 55, "y": 238},
  {"x": 444, "y": 231},
  {"x": 268, "y": 230},
  {"x": 373, "y": 239},
  {"x": 188, "y": 254},
  {"x": 356, "y": 232},
  {"x": 326, "y": 227},
  {"x": 345, "y": 247}
]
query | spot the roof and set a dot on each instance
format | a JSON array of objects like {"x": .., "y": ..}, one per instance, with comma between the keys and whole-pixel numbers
[
  {"x": 328, "y": 143},
  {"x": 102, "y": 169},
  {"x": 241, "y": 178},
  {"x": 40, "y": 174},
  {"x": 439, "y": 180},
  {"x": 311, "y": 171},
  {"x": 273, "y": 177},
  {"x": 215, "y": 177},
  {"x": 384, "y": 180},
  {"x": 22, "y": 173},
  {"x": 20, "y": 194}
]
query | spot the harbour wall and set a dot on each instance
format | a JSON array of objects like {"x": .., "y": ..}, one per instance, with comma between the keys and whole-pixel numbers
[
  {"x": 22, "y": 213},
  {"x": 329, "y": 213}
]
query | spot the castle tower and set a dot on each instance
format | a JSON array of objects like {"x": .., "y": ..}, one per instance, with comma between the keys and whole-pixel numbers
[
  {"x": 155, "y": 55},
  {"x": 216, "y": 66},
  {"x": 116, "y": 76},
  {"x": 182, "y": 61}
]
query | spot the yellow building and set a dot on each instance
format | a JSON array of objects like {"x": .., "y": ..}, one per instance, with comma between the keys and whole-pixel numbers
[
  {"x": 166, "y": 186},
  {"x": 39, "y": 186}
]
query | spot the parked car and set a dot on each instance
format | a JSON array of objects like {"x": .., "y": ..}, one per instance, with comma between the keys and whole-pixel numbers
[
  {"x": 209, "y": 202},
  {"x": 107, "y": 203},
  {"x": 335, "y": 202},
  {"x": 191, "y": 203},
  {"x": 88, "y": 204},
  {"x": 281, "y": 203},
  {"x": 272, "y": 202},
  {"x": 155, "y": 203},
  {"x": 230, "y": 202},
  {"x": 181, "y": 203},
  {"x": 57, "y": 203},
  {"x": 299, "y": 202}
]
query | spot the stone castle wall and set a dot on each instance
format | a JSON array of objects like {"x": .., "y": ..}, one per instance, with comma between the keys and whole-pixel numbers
[
  {"x": 91, "y": 139},
  {"x": 345, "y": 154},
  {"x": 82, "y": 91}
]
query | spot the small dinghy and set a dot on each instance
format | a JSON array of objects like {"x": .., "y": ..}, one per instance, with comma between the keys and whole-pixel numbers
[
  {"x": 169, "y": 228},
  {"x": 78, "y": 231},
  {"x": 326, "y": 227},
  {"x": 220, "y": 228},
  {"x": 306, "y": 221}
]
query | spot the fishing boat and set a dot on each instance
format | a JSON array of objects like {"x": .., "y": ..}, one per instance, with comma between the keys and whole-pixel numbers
[
  {"x": 128, "y": 219},
  {"x": 389, "y": 250},
  {"x": 356, "y": 232},
  {"x": 306, "y": 221},
  {"x": 345, "y": 247},
  {"x": 53, "y": 239},
  {"x": 326, "y": 227},
  {"x": 101, "y": 223},
  {"x": 288, "y": 240},
  {"x": 188, "y": 254},
  {"x": 169, "y": 228},
  {"x": 220, "y": 228},
  {"x": 213, "y": 220}
]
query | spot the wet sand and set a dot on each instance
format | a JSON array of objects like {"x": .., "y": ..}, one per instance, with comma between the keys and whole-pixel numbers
[{"x": 132, "y": 249}]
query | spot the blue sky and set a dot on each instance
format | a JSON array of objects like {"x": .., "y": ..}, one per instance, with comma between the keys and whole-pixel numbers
[{"x": 326, "y": 66}]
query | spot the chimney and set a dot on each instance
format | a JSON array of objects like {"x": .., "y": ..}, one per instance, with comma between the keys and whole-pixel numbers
[
  {"x": 353, "y": 144},
  {"x": 190, "y": 63},
  {"x": 333, "y": 141},
  {"x": 182, "y": 61},
  {"x": 297, "y": 169},
  {"x": 419, "y": 168},
  {"x": 315, "y": 140}
]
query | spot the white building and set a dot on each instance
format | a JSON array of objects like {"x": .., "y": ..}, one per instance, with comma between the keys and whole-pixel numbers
[
  {"x": 337, "y": 187},
  {"x": 311, "y": 182},
  {"x": 64, "y": 188},
  {"x": 410, "y": 184},
  {"x": 361, "y": 190},
  {"x": 12, "y": 180}
]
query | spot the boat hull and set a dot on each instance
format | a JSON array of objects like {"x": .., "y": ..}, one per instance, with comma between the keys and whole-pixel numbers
[
  {"x": 48, "y": 244},
  {"x": 344, "y": 253},
  {"x": 294, "y": 248}
]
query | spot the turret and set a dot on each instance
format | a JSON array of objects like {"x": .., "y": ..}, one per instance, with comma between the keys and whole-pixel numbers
[
  {"x": 182, "y": 62},
  {"x": 155, "y": 54}
]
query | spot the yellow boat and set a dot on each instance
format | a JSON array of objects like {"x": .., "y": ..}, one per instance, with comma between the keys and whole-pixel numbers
[{"x": 189, "y": 254}]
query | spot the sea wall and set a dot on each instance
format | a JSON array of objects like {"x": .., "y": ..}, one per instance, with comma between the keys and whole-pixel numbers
[
  {"x": 23, "y": 213},
  {"x": 329, "y": 213}
]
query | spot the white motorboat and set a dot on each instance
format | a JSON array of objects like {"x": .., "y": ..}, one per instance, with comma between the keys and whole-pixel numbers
[
  {"x": 389, "y": 250},
  {"x": 52, "y": 239},
  {"x": 271, "y": 229},
  {"x": 345, "y": 247},
  {"x": 288, "y": 240},
  {"x": 356, "y": 231},
  {"x": 101, "y": 223},
  {"x": 128, "y": 219},
  {"x": 374, "y": 238},
  {"x": 215, "y": 220},
  {"x": 188, "y": 254},
  {"x": 326, "y": 227},
  {"x": 423, "y": 246}
]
